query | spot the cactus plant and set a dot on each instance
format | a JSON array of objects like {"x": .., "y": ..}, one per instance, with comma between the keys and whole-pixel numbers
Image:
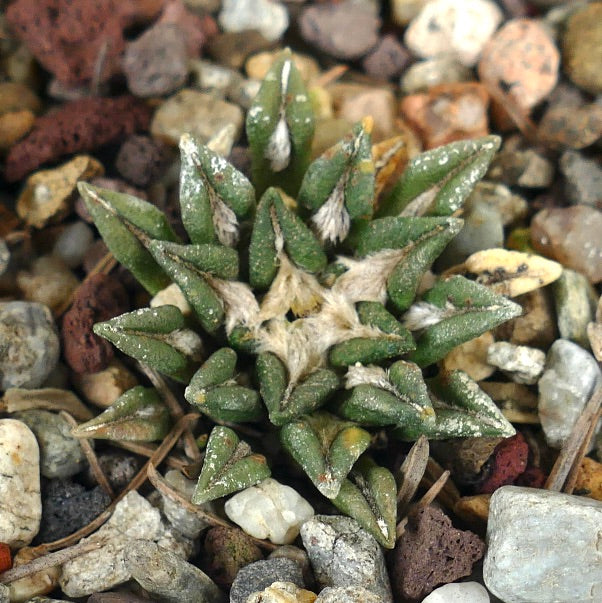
[{"x": 324, "y": 331}]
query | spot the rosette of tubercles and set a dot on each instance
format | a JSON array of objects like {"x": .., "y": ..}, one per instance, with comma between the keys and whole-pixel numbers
[{"x": 325, "y": 329}]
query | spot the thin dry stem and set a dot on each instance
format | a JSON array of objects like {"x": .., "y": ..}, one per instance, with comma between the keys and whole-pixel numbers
[
  {"x": 411, "y": 472},
  {"x": 148, "y": 450},
  {"x": 434, "y": 491},
  {"x": 571, "y": 479},
  {"x": 578, "y": 440},
  {"x": 87, "y": 449},
  {"x": 47, "y": 561}
]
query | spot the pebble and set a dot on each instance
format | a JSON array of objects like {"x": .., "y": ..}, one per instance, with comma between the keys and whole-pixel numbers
[
  {"x": 448, "y": 112},
  {"x": 258, "y": 65},
  {"x": 17, "y": 97},
  {"x": 582, "y": 47},
  {"x": 583, "y": 179},
  {"x": 471, "y": 357},
  {"x": 508, "y": 462},
  {"x": 432, "y": 552},
  {"x": 299, "y": 556},
  {"x": 226, "y": 551},
  {"x": 270, "y": 18},
  {"x": 4, "y": 594},
  {"x": 164, "y": 574},
  {"x": 462, "y": 592},
  {"x": 575, "y": 301},
  {"x": 141, "y": 160},
  {"x": 458, "y": 29},
  {"x": 348, "y": 594},
  {"x": 31, "y": 344},
  {"x": 589, "y": 479},
  {"x": 422, "y": 75},
  {"x": 60, "y": 454},
  {"x": 14, "y": 126},
  {"x": 171, "y": 296},
  {"x": 156, "y": 63},
  {"x": 196, "y": 113},
  {"x": 521, "y": 363},
  {"x": 20, "y": 501},
  {"x": 387, "y": 59},
  {"x": 403, "y": 11},
  {"x": 345, "y": 30},
  {"x": 569, "y": 126},
  {"x": 4, "y": 256},
  {"x": 67, "y": 506},
  {"x": 99, "y": 298},
  {"x": 571, "y": 375},
  {"x": 355, "y": 101},
  {"x": 214, "y": 78},
  {"x": 483, "y": 229},
  {"x": 118, "y": 467},
  {"x": 48, "y": 194},
  {"x": 48, "y": 282},
  {"x": 282, "y": 592},
  {"x": 543, "y": 546},
  {"x": 104, "y": 387},
  {"x": 72, "y": 243},
  {"x": 232, "y": 49},
  {"x": 186, "y": 522},
  {"x": 510, "y": 207},
  {"x": 571, "y": 236},
  {"x": 133, "y": 519},
  {"x": 269, "y": 510},
  {"x": 519, "y": 165},
  {"x": 261, "y": 574},
  {"x": 39, "y": 583},
  {"x": 343, "y": 554},
  {"x": 522, "y": 59},
  {"x": 79, "y": 126}
]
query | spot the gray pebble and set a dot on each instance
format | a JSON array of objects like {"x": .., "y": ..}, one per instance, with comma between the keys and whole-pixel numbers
[
  {"x": 510, "y": 206},
  {"x": 162, "y": 573},
  {"x": 575, "y": 300},
  {"x": 73, "y": 242},
  {"x": 583, "y": 179},
  {"x": 387, "y": 60},
  {"x": 299, "y": 556},
  {"x": 543, "y": 546},
  {"x": 570, "y": 376},
  {"x": 261, "y": 574},
  {"x": 4, "y": 594},
  {"x": 348, "y": 594},
  {"x": 67, "y": 507},
  {"x": 420, "y": 76},
  {"x": 157, "y": 62},
  {"x": 343, "y": 554},
  {"x": 61, "y": 455},
  {"x": 29, "y": 348}
]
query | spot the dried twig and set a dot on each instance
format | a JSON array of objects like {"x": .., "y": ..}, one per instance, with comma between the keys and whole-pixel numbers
[
  {"x": 97, "y": 471},
  {"x": 175, "y": 410},
  {"x": 147, "y": 450},
  {"x": 450, "y": 494},
  {"x": 47, "y": 561},
  {"x": 330, "y": 76},
  {"x": 576, "y": 445}
]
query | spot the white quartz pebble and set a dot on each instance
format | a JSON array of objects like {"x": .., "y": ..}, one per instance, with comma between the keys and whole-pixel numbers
[
  {"x": 543, "y": 546},
  {"x": 459, "y": 592},
  {"x": 269, "y": 510},
  {"x": 452, "y": 28},
  {"x": 73, "y": 242},
  {"x": 20, "y": 502},
  {"x": 521, "y": 363},
  {"x": 270, "y": 18}
]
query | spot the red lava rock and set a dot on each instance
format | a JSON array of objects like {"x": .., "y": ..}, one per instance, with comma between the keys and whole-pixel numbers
[
  {"x": 100, "y": 298},
  {"x": 432, "y": 552},
  {"x": 508, "y": 462},
  {"x": 6, "y": 561},
  {"x": 71, "y": 39},
  {"x": 531, "y": 477},
  {"x": 571, "y": 236},
  {"x": 448, "y": 112},
  {"x": 81, "y": 125},
  {"x": 388, "y": 59}
]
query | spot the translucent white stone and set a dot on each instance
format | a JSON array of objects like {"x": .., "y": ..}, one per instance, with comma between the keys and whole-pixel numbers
[{"x": 459, "y": 592}]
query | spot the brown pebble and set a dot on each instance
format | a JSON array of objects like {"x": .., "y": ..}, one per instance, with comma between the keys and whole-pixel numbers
[
  {"x": 388, "y": 59},
  {"x": 448, "y": 112},
  {"x": 140, "y": 160},
  {"x": 232, "y": 49},
  {"x": 101, "y": 297},
  {"x": 432, "y": 552},
  {"x": 81, "y": 125},
  {"x": 13, "y": 126},
  {"x": 589, "y": 479},
  {"x": 571, "y": 236},
  {"x": 522, "y": 60},
  {"x": 574, "y": 127}
]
